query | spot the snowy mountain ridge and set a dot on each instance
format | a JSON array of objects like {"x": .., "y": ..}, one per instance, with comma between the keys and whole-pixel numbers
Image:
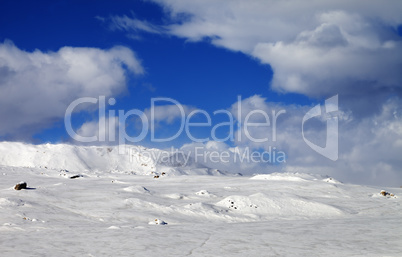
[{"x": 136, "y": 159}]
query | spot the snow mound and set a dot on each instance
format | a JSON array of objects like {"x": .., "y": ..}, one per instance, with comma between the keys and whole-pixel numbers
[
  {"x": 287, "y": 206},
  {"x": 205, "y": 193},
  {"x": 277, "y": 177},
  {"x": 137, "y": 189},
  {"x": 4, "y": 202},
  {"x": 157, "y": 222},
  {"x": 187, "y": 170},
  {"x": 113, "y": 227},
  {"x": 175, "y": 196},
  {"x": 137, "y": 203},
  {"x": 294, "y": 177},
  {"x": 331, "y": 180}
]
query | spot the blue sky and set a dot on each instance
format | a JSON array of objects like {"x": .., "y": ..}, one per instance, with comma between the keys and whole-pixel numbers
[
  {"x": 197, "y": 74},
  {"x": 204, "y": 54},
  {"x": 193, "y": 73}
]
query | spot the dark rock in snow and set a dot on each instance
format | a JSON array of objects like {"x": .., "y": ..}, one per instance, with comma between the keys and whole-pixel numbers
[
  {"x": 21, "y": 185},
  {"x": 75, "y": 176},
  {"x": 387, "y": 194}
]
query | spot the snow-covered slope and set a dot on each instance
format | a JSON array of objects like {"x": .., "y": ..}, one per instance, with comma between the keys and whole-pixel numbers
[
  {"x": 134, "y": 159},
  {"x": 106, "y": 212}
]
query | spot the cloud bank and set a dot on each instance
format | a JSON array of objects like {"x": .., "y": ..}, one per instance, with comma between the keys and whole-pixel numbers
[
  {"x": 369, "y": 148},
  {"x": 36, "y": 87},
  {"x": 318, "y": 49},
  {"x": 315, "y": 48}
]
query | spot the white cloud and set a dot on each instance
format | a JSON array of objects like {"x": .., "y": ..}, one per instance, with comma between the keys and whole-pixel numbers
[
  {"x": 369, "y": 148},
  {"x": 219, "y": 155},
  {"x": 316, "y": 48},
  {"x": 105, "y": 130},
  {"x": 134, "y": 25},
  {"x": 332, "y": 58},
  {"x": 167, "y": 113},
  {"x": 36, "y": 87}
]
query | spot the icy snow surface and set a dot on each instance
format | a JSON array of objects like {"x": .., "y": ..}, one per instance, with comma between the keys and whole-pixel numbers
[{"x": 123, "y": 210}]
